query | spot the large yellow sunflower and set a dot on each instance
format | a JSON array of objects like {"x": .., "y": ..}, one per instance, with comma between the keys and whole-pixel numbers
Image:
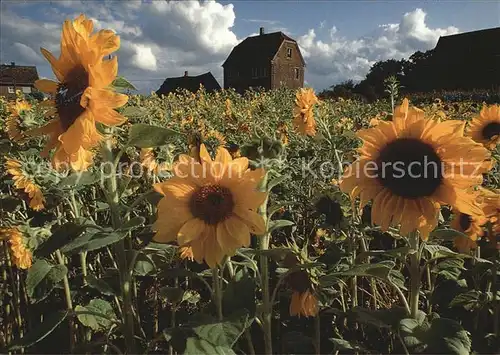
[
  {"x": 210, "y": 205},
  {"x": 303, "y": 113},
  {"x": 485, "y": 128},
  {"x": 412, "y": 165},
  {"x": 81, "y": 96},
  {"x": 21, "y": 256},
  {"x": 12, "y": 123},
  {"x": 22, "y": 181}
]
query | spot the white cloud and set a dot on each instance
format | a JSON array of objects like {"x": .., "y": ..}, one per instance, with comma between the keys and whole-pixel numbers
[
  {"x": 144, "y": 57},
  {"x": 338, "y": 59}
]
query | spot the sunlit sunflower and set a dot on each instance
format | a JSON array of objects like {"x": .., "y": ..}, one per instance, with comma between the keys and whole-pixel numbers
[
  {"x": 12, "y": 122},
  {"x": 210, "y": 205},
  {"x": 303, "y": 113},
  {"x": 228, "y": 111},
  {"x": 81, "y": 96},
  {"x": 148, "y": 160},
  {"x": 412, "y": 165},
  {"x": 303, "y": 302},
  {"x": 22, "y": 181},
  {"x": 21, "y": 256},
  {"x": 214, "y": 139},
  {"x": 469, "y": 225},
  {"x": 282, "y": 130},
  {"x": 485, "y": 128}
]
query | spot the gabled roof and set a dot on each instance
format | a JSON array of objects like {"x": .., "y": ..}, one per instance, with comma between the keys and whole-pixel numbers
[
  {"x": 257, "y": 49},
  {"x": 18, "y": 74},
  {"x": 191, "y": 83},
  {"x": 484, "y": 40}
]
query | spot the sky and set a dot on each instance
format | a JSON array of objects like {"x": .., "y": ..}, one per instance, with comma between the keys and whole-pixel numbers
[{"x": 339, "y": 40}]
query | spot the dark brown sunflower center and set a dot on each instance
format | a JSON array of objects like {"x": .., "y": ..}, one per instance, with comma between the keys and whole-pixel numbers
[
  {"x": 68, "y": 96},
  {"x": 299, "y": 281},
  {"x": 491, "y": 130},
  {"x": 212, "y": 204},
  {"x": 465, "y": 221},
  {"x": 409, "y": 168}
]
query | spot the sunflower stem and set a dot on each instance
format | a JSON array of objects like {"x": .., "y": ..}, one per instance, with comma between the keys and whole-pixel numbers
[
  {"x": 125, "y": 274},
  {"x": 216, "y": 285},
  {"x": 414, "y": 274},
  {"x": 69, "y": 302},
  {"x": 264, "y": 273}
]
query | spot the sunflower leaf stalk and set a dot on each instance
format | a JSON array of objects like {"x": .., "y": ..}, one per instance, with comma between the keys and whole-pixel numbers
[
  {"x": 125, "y": 274},
  {"x": 415, "y": 274},
  {"x": 264, "y": 272}
]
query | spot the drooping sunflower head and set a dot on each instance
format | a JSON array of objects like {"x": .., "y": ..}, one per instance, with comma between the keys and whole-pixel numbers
[
  {"x": 81, "y": 96},
  {"x": 303, "y": 302},
  {"x": 303, "y": 112},
  {"x": 210, "y": 205},
  {"x": 23, "y": 181},
  {"x": 214, "y": 139},
  {"x": 21, "y": 255},
  {"x": 17, "y": 110},
  {"x": 485, "y": 128},
  {"x": 412, "y": 165},
  {"x": 469, "y": 224}
]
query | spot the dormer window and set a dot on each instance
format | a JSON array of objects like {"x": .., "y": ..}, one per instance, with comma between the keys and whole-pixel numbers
[
  {"x": 289, "y": 52},
  {"x": 297, "y": 73}
]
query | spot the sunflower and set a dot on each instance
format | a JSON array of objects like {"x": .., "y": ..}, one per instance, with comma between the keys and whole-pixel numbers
[
  {"x": 303, "y": 302},
  {"x": 469, "y": 225},
  {"x": 21, "y": 256},
  {"x": 228, "y": 112},
  {"x": 186, "y": 253},
  {"x": 148, "y": 160},
  {"x": 282, "y": 130},
  {"x": 21, "y": 181},
  {"x": 412, "y": 165},
  {"x": 485, "y": 128},
  {"x": 304, "y": 122},
  {"x": 17, "y": 111},
  {"x": 214, "y": 139},
  {"x": 81, "y": 96},
  {"x": 210, "y": 205}
]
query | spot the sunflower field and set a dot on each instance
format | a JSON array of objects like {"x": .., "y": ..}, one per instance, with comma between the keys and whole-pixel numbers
[{"x": 268, "y": 223}]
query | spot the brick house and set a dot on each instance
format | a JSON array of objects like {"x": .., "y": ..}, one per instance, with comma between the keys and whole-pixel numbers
[
  {"x": 190, "y": 83},
  {"x": 17, "y": 77},
  {"x": 268, "y": 61}
]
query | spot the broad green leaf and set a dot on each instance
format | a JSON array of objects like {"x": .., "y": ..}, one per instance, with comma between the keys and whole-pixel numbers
[
  {"x": 142, "y": 135},
  {"x": 222, "y": 334},
  {"x": 101, "y": 240},
  {"x": 143, "y": 265},
  {"x": 80, "y": 179},
  {"x": 439, "y": 251},
  {"x": 98, "y": 314},
  {"x": 447, "y": 234},
  {"x": 100, "y": 285},
  {"x": 276, "y": 181},
  {"x": 380, "y": 270},
  {"x": 279, "y": 223},
  {"x": 450, "y": 268},
  {"x": 172, "y": 294},
  {"x": 398, "y": 253},
  {"x": 133, "y": 223},
  {"x": 79, "y": 242},
  {"x": 343, "y": 345},
  {"x": 40, "y": 331},
  {"x": 60, "y": 237},
  {"x": 469, "y": 300},
  {"x": 42, "y": 278},
  {"x": 239, "y": 295},
  {"x": 122, "y": 83},
  {"x": 134, "y": 112}
]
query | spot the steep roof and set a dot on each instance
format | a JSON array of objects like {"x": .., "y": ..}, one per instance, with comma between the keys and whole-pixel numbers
[
  {"x": 259, "y": 48},
  {"x": 18, "y": 74},
  {"x": 191, "y": 83},
  {"x": 482, "y": 40}
]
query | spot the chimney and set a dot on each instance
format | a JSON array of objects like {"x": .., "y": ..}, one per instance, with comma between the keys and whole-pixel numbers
[
  {"x": 12, "y": 64},
  {"x": 186, "y": 73},
  {"x": 261, "y": 32}
]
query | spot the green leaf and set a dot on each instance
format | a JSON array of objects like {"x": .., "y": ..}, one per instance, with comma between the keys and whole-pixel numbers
[
  {"x": 78, "y": 243},
  {"x": 143, "y": 265},
  {"x": 122, "y": 83},
  {"x": 43, "y": 329},
  {"x": 398, "y": 253},
  {"x": 101, "y": 240},
  {"x": 133, "y": 223},
  {"x": 80, "y": 179},
  {"x": 9, "y": 203},
  {"x": 100, "y": 314},
  {"x": 343, "y": 345},
  {"x": 222, "y": 334},
  {"x": 449, "y": 268},
  {"x": 380, "y": 270},
  {"x": 134, "y": 112},
  {"x": 60, "y": 237},
  {"x": 279, "y": 223},
  {"x": 100, "y": 285},
  {"x": 172, "y": 294},
  {"x": 142, "y": 135},
  {"x": 447, "y": 234},
  {"x": 439, "y": 251},
  {"x": 42, "y": 278},
  {"x": 469, "y": 300},
  {"x": 276, "y": 181},
  {"x": 191, "y": 297},
  {"x": 239, "y": 295}
]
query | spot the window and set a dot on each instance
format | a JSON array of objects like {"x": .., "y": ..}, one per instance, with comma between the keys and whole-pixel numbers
[
  {"x": 255, "y": 72},
  {"x": 289, "y": 52},
  {"x": 263, "y": 72},
  {"x": 26, "y": 89},
  {"x": 297, "y": 73},
  {"x": 10, "y": 89}
]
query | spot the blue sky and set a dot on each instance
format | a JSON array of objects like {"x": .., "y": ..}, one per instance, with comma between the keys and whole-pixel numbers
[{"x": 339, "y": 40}]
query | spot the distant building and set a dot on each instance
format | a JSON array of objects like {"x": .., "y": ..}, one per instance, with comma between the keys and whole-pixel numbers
[
  {"x": 468, "y": 60},
  {"x": 17, "y": 77},
  {"x": 190, "y": 83},
  {"x": 267, "y": 61}
]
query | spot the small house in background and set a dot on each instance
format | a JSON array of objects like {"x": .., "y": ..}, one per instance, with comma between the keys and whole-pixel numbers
[
  {"x": 190, "y": 83},
  {"x": 268, "y": 61},
  {"x": 17, "y": 77}
]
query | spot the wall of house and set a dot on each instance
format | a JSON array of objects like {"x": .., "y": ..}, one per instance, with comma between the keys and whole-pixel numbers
[
  {"x": 4, "y": 91},
  {"x": 283, "y": 67},
  {"x": 242, "y": 77}
]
